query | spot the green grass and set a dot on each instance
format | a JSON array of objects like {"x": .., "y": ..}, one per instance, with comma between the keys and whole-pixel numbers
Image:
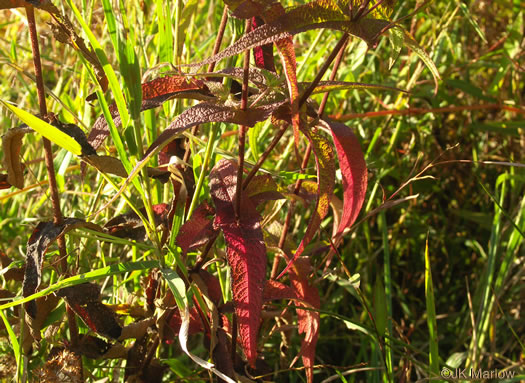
[{"x": 410, "y": 313}]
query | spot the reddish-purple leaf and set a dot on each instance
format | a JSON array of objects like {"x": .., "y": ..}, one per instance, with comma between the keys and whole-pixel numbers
[
  {"x": 308, "y": 320},
  {"x": 275, "y": 290},
  {"x": 246, "y": 253},
  {"x": 151, "y": 288},
  {"x": 198, "y": 230},
  {"x": 86, "y": 302},
  {"x": 353, "y": 169},
  {"x": 264, "y": 54},
  {"x": 196, "y": 115},
  {"x": 324, "y": 158},
  {"x": 154, "y": 94},
  {"x": 43, "y": 235}
]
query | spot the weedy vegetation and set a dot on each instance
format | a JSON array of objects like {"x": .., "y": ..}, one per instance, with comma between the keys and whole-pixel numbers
[{"x": 255, "y": 190}]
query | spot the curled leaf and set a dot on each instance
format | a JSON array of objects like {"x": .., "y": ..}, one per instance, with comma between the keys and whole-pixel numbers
[
  {"x": 11, "y": 145},
  {"x": 246, "y": 253},
  {"x": 308, "y": 320},
  {"x": 129, "y": 225},
  {"x": 198, "y": 230},
  {"x": 85, "y": 301},
  {"x": 43, "y": 235},
  {"x": 353, "y": 169},
  {"x": 325, "y": 161},
  {"x": 154, "y": 94}
]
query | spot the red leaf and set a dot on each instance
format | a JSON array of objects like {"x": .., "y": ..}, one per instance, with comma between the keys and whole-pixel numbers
[
  {"x": 308, "y": 320},
  {"x": 274, "y": 290},
  {"x": 198, "y": 230},
  {"x": 43, "y": 235},
  {"x": 85, "y": 301},
  {"x": 353, "y": 168},
  {"x": 264, "y": 54},
  {"x": 324, "y": 158},
  {"x": 246, "y": 253},
  {"x": 154, "y": 93}
]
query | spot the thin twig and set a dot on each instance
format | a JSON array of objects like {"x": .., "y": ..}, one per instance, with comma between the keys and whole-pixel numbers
[{"x": 48, "y": 155}]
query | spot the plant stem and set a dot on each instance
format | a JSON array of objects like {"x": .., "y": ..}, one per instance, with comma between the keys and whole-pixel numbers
[
  {"x": 336, "y": 53},
  {"x": 341, "y": 43},
  {"x": 242, "y": 130},
  {"x": 48, "y": 155},
  {"x": 265, "y": 155}
]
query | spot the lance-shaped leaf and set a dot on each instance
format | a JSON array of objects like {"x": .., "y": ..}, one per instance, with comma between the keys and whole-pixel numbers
[
  {"x": 49, "y": 131},
  {"x": 246, "y": 253},
  {"x": 43, "y": 235},
  {"x": 199, "y": 114},
  {"x": 287, "y": 54},
  {"x": 154, "y": 94},
  {"x": 85, "y": 300},
  {"x": 411, "y": 43},
  {"x": 264, "y": 54},
  {"x": 198, "y": 230},
  {"x": 308, "y": 320},
  {"x": 353, "y": 169},
  {"x": 11, "y": 145},
  {"x": 325, "y": 161}
]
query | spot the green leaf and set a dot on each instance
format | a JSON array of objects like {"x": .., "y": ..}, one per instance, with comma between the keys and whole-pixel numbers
[
  {"x": 431, "y": 316},
  {"x": 50, "y": 132},
  {"x": 411, "y": 43}
]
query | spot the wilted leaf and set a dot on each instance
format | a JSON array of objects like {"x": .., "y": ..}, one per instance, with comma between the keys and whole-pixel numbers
[
  {"x": 246, "y": 253},
  {"x": 63, "y": 365},
  {"x": 308, "y": 320},
  {"x": 44, "y": 306},
  {"x": 11, "y": 145},
  {"x": 154, "y": 94},
  {"x": 140, "y": 368},
  {"x": 106, "y": 164},
  {"x": 41, "y": 238},
  {"x": 324, "y": 158},
  {"x": 353, "y": 169},
  {"x": 129, "y": 225},
  {"x": 85, "y": 301},
  {"x": 64, "y": 32},
  {"x": 198, "y": 230}
]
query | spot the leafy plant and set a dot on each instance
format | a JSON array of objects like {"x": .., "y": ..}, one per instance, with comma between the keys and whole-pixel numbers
[{"x": 180, "y": 220}]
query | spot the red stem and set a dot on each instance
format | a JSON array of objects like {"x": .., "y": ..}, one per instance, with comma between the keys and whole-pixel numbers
[{"x": 48, "y": 155}]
